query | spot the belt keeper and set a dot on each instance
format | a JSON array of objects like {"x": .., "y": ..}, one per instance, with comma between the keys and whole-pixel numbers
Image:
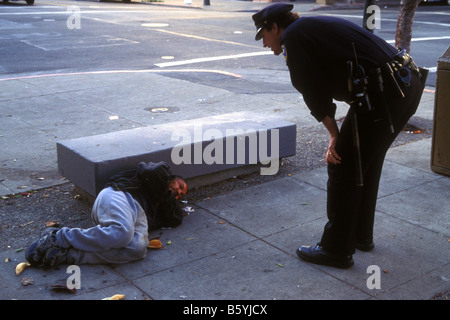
[{"x": 394, "y": 80}]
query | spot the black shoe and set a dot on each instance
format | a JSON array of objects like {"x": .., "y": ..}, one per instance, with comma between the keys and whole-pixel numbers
[
  {"x": 365, "y": 246},
  {"x": 316, "y": 254},
  {"x": 45, "y": 252},
  {"x": 49, "y": 231}
]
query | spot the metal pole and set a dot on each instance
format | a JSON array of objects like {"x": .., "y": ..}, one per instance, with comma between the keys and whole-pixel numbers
[{"x": 367, "y": 3}]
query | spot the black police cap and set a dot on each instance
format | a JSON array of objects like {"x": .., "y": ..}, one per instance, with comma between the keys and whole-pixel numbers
[{"x": 267, "y": 15}]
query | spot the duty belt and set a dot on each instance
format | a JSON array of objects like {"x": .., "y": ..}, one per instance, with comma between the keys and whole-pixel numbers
[{"x": 401, "y": 67}]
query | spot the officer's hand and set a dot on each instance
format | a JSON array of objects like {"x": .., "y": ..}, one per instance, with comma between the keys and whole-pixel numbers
[{"x": 332, "y": 156}]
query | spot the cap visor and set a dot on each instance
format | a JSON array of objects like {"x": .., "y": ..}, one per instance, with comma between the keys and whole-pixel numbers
[{"x": 259, "y": 35}]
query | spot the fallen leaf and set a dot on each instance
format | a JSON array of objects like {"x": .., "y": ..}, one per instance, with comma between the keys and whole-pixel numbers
[
  {"x": 27, "y": 281},
  {"x": 21, "y": 266},
  {"x": 154, "y": 244},
  {"x": 25, "y": 224},
  {"x": 51, "y": 223},
  {"x": 115, "y": 297},
  {"x": 385, "y": 271},
  {"x": 62, "y": 286}
]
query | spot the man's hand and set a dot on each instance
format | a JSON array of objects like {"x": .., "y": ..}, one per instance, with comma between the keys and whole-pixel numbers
[{"x": 332, "y": 156}]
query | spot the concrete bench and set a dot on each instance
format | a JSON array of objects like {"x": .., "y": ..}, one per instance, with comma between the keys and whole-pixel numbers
[{"x": 202, "y": 150}]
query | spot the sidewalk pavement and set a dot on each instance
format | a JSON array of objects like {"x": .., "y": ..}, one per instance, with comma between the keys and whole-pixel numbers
[{"x": 239, "y": 245}]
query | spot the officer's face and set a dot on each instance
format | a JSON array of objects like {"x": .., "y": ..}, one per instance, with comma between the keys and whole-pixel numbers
[{"x": 271, "y": 39}]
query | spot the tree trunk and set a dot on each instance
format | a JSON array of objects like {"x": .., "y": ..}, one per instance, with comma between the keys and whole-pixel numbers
[{"x": 404, "y": 24}]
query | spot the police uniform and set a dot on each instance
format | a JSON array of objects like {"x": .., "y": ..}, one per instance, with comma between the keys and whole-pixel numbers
[{"x": 317, "y": 51}]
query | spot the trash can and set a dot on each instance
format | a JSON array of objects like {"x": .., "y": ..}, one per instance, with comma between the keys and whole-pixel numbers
[{"x": 440, "y": 149}]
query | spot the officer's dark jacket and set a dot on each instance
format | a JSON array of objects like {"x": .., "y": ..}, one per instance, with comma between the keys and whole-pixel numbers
[
  {"x": 148, "y": 184},
  {"x": 317, "y": 50}
]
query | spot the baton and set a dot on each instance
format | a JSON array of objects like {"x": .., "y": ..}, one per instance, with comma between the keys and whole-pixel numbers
[
  {"x": 355, "y": 132},
  {"x": 357, "y": 148}
]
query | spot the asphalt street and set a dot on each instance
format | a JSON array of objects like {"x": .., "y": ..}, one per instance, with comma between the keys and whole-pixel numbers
[{"x": 80, "y": 36}]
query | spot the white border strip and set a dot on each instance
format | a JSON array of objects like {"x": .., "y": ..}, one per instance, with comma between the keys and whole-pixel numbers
[
  {"x": 235, "y": 56},
  {"x": 231, "y": 74},
  {"x": 423, "y": 39}
]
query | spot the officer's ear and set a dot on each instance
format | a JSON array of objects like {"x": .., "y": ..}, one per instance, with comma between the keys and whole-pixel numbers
[{"x": 276, "y": 29}]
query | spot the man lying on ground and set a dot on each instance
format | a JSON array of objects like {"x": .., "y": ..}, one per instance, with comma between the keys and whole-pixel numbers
[{"x": 131, "y": 204}]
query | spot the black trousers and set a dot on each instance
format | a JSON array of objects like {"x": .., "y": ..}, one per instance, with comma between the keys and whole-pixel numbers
[{"x": 351, "y": 209}]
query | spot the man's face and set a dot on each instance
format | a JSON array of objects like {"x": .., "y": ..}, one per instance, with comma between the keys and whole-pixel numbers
[
  {"x": 271, "y": 39},
  {"x": 179, "y": 188}
]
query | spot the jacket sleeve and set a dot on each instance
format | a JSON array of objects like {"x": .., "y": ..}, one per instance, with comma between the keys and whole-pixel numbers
[
  {"x": 154, "y": 178},
  {"x": 170, "y": 213},
  {"x": 307, "y": 77}
]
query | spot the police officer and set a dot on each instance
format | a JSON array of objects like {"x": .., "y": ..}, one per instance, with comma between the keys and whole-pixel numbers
[{"x": 333, "y": 59}]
